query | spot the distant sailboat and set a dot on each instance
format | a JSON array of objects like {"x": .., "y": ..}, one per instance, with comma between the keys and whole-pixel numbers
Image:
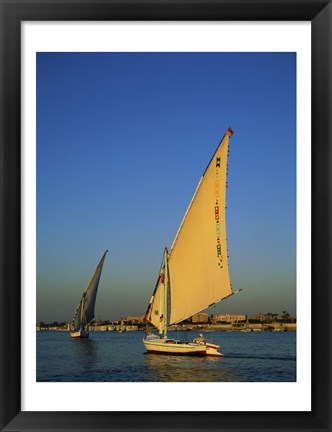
[
  {"x": 85, "y": 311},
  {"x": 194, "y": 274}
]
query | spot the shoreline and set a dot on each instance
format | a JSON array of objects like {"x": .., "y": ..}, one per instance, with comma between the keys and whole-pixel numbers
[{"x": 245, "y": 328}]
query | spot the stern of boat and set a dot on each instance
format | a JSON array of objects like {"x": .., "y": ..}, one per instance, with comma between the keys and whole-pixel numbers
[{"x": 212, "y": 350}]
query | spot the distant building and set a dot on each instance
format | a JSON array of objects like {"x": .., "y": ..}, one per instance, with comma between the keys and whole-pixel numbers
[
  {"x": 263, "y": 317},
  {"x": 200, "y": 318},
  {"x": 133, "y": 319},
  {"x": 98, "y": 327},
  {"x": 228, "y": 318}
]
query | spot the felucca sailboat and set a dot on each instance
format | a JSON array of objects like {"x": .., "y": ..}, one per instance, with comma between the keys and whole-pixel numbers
[
  {"x": 194, "y": 274},
  {"x": 85, "y": 311}
]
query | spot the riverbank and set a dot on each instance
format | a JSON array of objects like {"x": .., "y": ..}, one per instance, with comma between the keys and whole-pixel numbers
[
  {"x": 277, "y": 327},
  {"x": 236, "y": 327}
]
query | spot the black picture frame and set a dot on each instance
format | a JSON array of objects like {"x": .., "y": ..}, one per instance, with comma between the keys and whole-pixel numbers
[{"x": 319, "y": 12}]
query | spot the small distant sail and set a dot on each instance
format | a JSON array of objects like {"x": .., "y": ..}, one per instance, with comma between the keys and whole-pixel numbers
[{"x": 85, "y": 311}]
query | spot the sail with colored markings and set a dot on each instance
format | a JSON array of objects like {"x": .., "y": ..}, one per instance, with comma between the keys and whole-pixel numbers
[{"x": 198, "y": 259}]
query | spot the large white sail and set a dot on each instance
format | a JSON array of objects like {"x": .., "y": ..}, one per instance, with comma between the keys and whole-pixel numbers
[
  {"x": 86, "y": 309},
  {"x": 198, "y": 259}
]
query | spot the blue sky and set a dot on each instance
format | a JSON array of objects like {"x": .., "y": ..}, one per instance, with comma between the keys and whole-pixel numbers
[{"x": 122, "y": 140}]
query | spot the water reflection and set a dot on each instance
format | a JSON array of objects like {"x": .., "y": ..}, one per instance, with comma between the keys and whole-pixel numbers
[
  {"x": 109, "y": 356},
  {"x": 85, "y": 353},
  {"x": 166, "y": 368}
]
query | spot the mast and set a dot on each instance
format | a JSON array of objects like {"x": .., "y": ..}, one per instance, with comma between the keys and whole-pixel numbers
[
  {"x": 166, "y": 282},
  {"x": 82, "y": 324},
  {"x": 161, "y": 308},
  {"x": 163, "y": 299}
]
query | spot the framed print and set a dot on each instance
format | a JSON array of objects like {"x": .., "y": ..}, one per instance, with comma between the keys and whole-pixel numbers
[{"x": 105, "y": 107}]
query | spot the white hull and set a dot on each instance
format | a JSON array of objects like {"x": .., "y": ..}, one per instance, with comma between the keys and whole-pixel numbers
[
  {"x": 79, "y": 334},
  {"x": 173, "y": 347}
]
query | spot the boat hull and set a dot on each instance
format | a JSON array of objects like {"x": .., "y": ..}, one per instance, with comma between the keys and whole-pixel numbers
[
  {"x": 81, "y": 334},
  {"x": 172, "y": 347}
]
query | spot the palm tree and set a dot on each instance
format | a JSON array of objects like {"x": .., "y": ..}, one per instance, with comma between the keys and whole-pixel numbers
[{"x": 285, "y": 315}]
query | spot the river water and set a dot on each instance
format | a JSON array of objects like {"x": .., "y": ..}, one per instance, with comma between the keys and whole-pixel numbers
[{"x": 121, "y": 357}]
